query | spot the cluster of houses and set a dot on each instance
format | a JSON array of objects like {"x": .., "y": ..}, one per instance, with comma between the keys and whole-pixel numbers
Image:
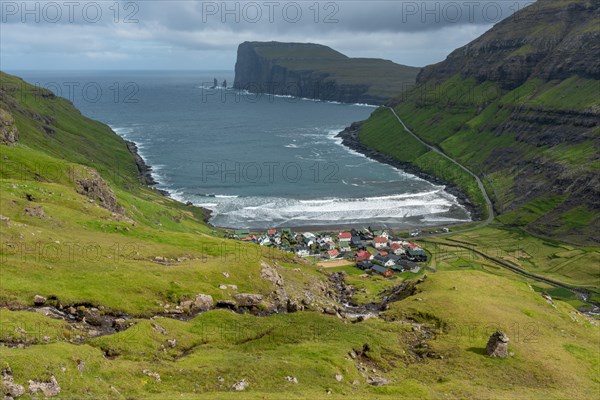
[{"x": 373, "y": 251}]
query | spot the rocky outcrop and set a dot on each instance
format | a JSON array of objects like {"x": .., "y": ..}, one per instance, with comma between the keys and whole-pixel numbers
[
  {"x": 318, "y": 72},
  {"x": 144, "y": 170},
  {"x": 497, "y": 345},
  {"x": 10, "y": 388},
  {"x": 269, "y": 273},
  {"x": 49, "y": 389},
  {"x": 93, "y": 186},
  {"x": 9, "y": 135},
  {"x": 248, "y": 299},
  {"x": 202, "y": 302},
  {"x": 35, "y": 211},
  {"x": 548, "y": 40}
]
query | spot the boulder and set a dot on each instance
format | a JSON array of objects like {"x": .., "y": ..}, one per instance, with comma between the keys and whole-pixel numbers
[
  {"x": 121, "y": 324},
  {"x": 248, "y": 299},
  {"x": 202, "y": 302},
  {"x": 239, "y": 386},
  {"x": 497, "y": 345},
  {"x": 186, "y": 305},
  {"x": 339, "y": 377},
  {"x": 11, "y": 389},
  {"x": 49, "y": 389},
  {"x": 39, "y": 300},
  {"x": 93, "y": 317}
]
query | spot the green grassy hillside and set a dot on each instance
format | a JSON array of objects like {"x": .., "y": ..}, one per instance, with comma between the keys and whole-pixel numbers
[{"x": 531, "y": 133}]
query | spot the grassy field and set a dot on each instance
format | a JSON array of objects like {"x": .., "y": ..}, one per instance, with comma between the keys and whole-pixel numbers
[
  {"x": 554, "y": 350},
  {"x": 573, "y": 265}
]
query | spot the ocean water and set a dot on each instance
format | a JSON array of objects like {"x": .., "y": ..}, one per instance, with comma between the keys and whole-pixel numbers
[{"x": 256, "y": 161}]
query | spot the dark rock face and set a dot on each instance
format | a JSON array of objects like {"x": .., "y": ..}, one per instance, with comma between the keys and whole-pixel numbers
[
  {"x": 308, "y": 70},
  {"x": 545, "y": 40},
  {"x": 144, "y": 170}
]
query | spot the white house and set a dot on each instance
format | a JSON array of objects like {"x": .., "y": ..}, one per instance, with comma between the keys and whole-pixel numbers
[{"x": 302, "y": 251}]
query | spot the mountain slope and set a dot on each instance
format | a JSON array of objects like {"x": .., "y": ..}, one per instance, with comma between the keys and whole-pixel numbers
[
  {"x": 318, "y": 72},
  {"x": 520, "y": 107}
]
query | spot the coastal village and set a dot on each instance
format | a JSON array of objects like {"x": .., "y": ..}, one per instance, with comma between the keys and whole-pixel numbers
[{"x": 373, "y": 251}]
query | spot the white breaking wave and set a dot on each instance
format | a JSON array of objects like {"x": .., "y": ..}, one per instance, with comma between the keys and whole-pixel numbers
[
  {"x": 365, "y": 105},
  {"x": 273, "y": 211},
  {"x": 123, "y": 132}
]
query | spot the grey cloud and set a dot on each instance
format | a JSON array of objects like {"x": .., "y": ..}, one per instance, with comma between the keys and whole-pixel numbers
[{"x": 127, "y": 33}]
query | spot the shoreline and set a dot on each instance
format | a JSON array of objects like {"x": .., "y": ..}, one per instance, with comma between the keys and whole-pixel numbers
[
  {"x": 145, "y": 175},
  {"x": 350, "y": 140}
]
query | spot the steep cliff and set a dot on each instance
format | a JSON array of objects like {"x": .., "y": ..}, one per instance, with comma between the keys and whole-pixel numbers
[
  {"x": 319, "y": 72},
  {"x": 520, "y": 107},
  {"x": 550, "y": 40}
]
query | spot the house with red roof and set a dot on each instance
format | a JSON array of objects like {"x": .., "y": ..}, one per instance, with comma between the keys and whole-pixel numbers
[
  {"x": 333, "y": 253},
  {"x": 363, "y": 256},
  {"x": 412, "y": 246},
  {"x": 344, "y": 239},
  {"x": 380, "y": 242},
  {"x": 345, "y": 236},
  {"x": 397, "y": 249}
]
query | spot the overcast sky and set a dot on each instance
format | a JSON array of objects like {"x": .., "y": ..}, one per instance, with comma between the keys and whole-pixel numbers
[{"x": 204, "y": 35}]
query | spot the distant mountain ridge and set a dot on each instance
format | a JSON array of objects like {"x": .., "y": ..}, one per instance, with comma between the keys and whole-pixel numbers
[{"x": 316, "y": 71}]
